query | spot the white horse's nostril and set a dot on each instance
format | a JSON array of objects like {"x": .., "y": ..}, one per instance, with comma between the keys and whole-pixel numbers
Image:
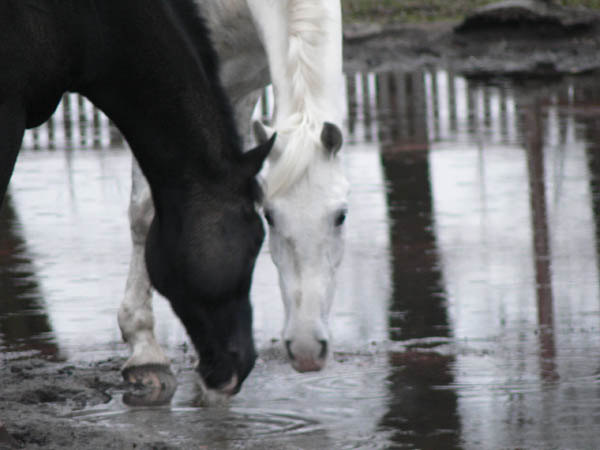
[
  {"x": 288, "y": 347},
  {"x": 323, "y": 352}
]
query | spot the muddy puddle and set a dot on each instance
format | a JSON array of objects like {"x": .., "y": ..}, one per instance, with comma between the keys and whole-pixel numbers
[{"x": 468, "y": 308}]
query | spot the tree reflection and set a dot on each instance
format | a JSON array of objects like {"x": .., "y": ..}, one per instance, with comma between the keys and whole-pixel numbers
[
  {"x": 418, "y": 306},
  {"x": 420, "y": 413},
  {"x": 588, "y": 94},
  {"x": 541, "y": 238}
]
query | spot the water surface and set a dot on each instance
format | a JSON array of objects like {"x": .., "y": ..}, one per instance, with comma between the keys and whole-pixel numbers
[{"x": 468, "y": 308}]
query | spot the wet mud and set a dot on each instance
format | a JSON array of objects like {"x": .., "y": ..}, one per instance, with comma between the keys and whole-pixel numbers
[
  {"x": 36, "y": 393},
  {"x": 465, "y": 340}
]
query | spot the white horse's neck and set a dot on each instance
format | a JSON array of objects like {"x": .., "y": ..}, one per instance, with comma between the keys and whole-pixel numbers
[
  {"x": 303, "y": 41},
  {"x": 313, "y": 63}
]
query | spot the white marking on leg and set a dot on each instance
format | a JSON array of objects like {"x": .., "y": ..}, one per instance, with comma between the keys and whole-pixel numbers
[{"x": 136, "y": 318}]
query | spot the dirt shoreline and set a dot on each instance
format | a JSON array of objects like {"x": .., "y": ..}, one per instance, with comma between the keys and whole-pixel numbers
[
  {"x": 37, "y": 396},
  {"x": 485, "y": 45}
]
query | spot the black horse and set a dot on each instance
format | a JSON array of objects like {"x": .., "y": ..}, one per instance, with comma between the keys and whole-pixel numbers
[{"x": 149, "y": 65}]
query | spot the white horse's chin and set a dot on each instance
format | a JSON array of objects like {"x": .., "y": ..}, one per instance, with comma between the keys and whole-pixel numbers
[
  {"x": 215, "y": 397},
  {"x": 308, "y": 365}
]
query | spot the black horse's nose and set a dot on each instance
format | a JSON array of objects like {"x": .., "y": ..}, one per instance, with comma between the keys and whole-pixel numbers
[{"x": 244, "y": 361}]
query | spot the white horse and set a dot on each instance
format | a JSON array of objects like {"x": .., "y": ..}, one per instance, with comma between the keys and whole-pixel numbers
[{"x": 295, "y": 44}]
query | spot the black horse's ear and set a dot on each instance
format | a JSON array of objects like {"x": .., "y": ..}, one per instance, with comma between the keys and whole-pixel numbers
[
  {"x": 331, "y": 137},
  {"x": 254, "y": 159},
  {"x": 261, "y": 132}
]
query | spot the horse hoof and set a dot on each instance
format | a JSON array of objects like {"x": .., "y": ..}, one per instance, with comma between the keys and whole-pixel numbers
[{"x": 152, "y": 385}]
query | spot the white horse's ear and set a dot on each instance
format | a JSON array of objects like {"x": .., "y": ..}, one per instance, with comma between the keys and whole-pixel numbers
[
  {"x": 331, "y": 137},
  {"x": 262, "y": 133}
]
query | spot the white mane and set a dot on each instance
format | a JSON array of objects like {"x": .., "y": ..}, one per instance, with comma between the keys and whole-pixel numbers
[{"x": 310, "y": 25}]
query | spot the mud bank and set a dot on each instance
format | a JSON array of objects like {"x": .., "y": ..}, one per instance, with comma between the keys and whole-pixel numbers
[
  {"x": 516, "y": 38},
  {"x": 38, "y": 396}
]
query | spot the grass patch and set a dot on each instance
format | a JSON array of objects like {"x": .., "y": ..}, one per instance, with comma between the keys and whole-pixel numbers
[
  {"x": 414, "y": 11},
  {"x": 592, "y": 4}
]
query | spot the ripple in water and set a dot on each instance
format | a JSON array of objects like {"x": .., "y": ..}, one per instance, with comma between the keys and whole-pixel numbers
[
  {"x": 350, "y": 383},
  {"x": 207, "y": 425}
]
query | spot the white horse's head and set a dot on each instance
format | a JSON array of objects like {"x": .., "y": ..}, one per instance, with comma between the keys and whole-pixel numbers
[{"x": 305, "y": 206}]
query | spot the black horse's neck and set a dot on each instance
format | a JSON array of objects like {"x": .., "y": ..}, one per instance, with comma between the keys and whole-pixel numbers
[
  {"x": 149, "y": 65},
  {"x": 163, "y": 92}
]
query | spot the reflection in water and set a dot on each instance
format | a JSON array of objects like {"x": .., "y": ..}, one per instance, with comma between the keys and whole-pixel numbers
[
  {"x": 361, "y": 304},
  {"x": 72, "y": 214},
  {"x": 592, "y": 137},
  {"x": 76, "y": 123},
  {"x": 421, "y": 414},
  {"x": 418, "y": 414},
  {"x": 541, "y": 240},
  {"x": 513, "y": 222},
  {"x": 471, "y": 272},
  {"x": 24, "y": 326}
]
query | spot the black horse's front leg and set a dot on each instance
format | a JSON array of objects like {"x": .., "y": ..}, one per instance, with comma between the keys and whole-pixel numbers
[{"x": 12, "y": 127}]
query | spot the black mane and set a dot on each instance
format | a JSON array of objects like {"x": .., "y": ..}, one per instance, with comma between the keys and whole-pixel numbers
[{"x": 189, "y": 14}]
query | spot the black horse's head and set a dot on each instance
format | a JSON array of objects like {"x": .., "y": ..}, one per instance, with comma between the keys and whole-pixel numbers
[{"x": 200, "y": 254}]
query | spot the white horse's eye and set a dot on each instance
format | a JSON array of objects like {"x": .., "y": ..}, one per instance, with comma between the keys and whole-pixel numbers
[
  {"x": 269, "y": 217},
  {"x": 340, "y": 218}
]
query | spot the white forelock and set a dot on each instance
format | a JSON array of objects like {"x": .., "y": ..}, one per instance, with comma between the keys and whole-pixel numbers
[{"x": 300, "y": 146}]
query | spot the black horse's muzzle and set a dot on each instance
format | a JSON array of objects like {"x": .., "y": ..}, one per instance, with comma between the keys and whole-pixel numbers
[{"x": 227, "y": 375}]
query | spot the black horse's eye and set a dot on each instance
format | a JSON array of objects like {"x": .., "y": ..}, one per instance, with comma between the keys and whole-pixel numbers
[
  {"x": 340, "y": 218},
  {"x": 269, "y": 217}
]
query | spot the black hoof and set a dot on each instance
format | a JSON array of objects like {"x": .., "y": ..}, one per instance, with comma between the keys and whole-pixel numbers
[{"x": 151, "y": 385}]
